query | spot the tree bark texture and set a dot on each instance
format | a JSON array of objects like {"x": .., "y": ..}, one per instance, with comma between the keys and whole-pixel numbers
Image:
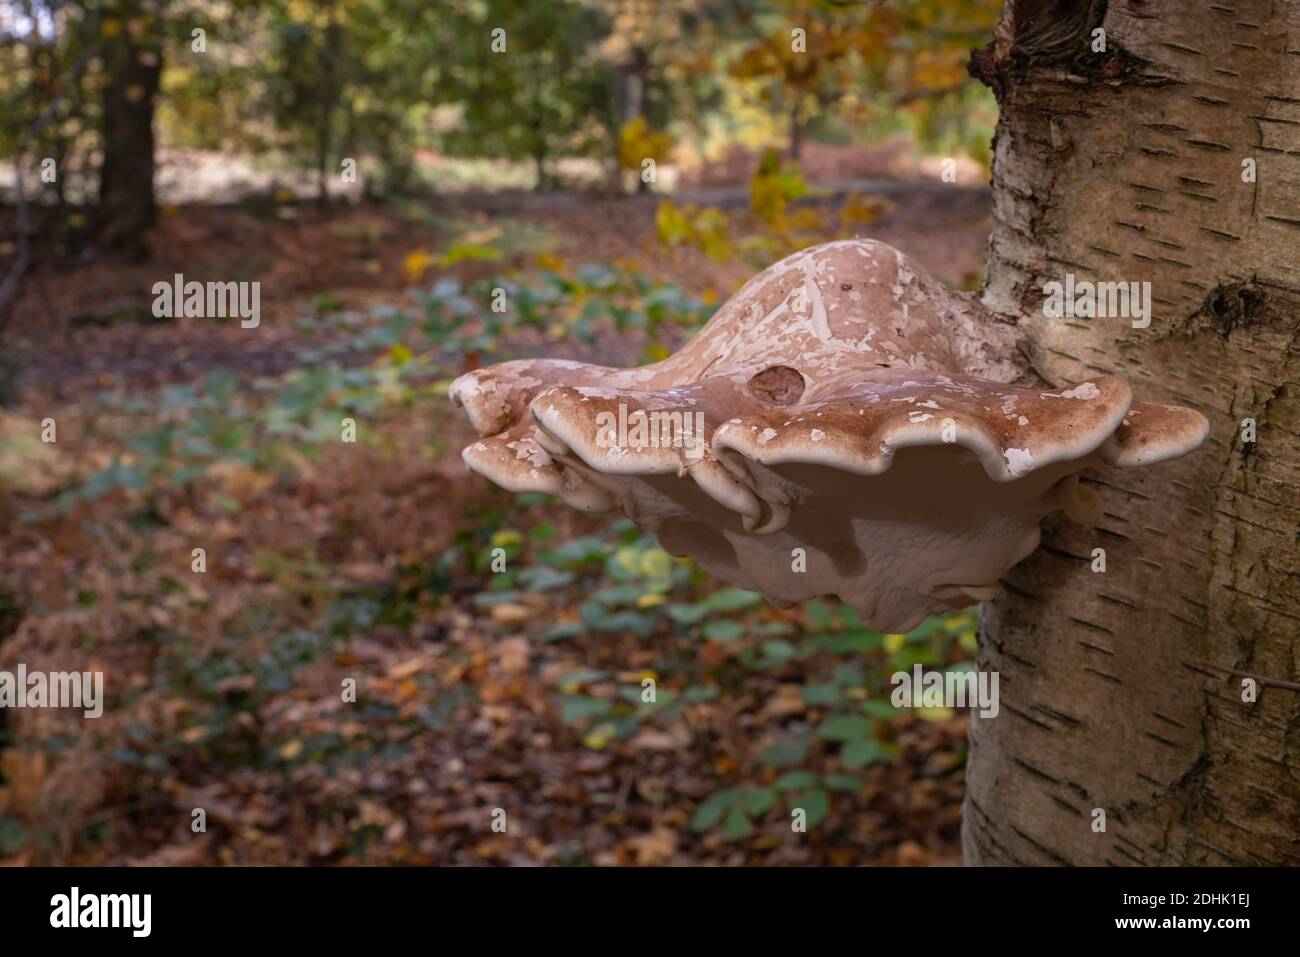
[{"x": 1122, "y": 690}]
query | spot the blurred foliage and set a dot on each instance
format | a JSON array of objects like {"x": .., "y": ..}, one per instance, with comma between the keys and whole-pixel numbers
[
  {"x": 783, "y": 225},
  {"x": 392, "y": 359},
  {"x": 311, "y": 82},
  {"x": 533, "y": 87},
  {"x": 633, "y": 586}
]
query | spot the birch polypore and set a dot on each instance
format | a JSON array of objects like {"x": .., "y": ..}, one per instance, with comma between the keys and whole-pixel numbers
[{"x": 841, "y": 402}]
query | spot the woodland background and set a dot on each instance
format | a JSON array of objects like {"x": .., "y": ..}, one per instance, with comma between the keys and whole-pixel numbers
[{"x": 327, "y": 560}]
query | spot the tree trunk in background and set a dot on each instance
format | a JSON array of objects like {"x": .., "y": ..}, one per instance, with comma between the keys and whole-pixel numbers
[
  {"x": 796, "y": 131},
  {"x": 634, "y": 89},
  {"x": 1122, "y": 690},
  {"x": 330, "y": 90},
  {"x": 126, "y": 200}
]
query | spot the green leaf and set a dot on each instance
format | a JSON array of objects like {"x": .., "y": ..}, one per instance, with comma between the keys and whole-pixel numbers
[
  {"x": 814, "y": 695},
  {"x": 714, "y": 806},
  {"x": 843, "y": 782},
  {"x": 785, "y": 754},
  {"x": 819, "y": 614},
  {"x": 732, "y": 599},
  {"x": 462, "y": 252},
  {"x": 859, "y": 754},
  {"x": 795, "y": 780},
  {"x": 687, "y": 614},
  {"x": 881, "y": 709},
  {"x": 698, "y": 693},
  {"x": 778, "y": 651},
  {"x": 578, "y": 707},
  {"x": 816, "y": 805},
  {"x": 846, "y": 727},
  {"x": 759, "y": 801},
  {"x": 12, "y": 836},
  {"x": 737, "y": 824},
  {"x": 568, "y": 629},
  {"x": 723, "y": 631},
  {"x": 853, "y": 642}
]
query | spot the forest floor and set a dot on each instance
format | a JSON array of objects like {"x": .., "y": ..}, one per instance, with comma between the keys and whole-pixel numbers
[{"x": 478, "y": 698}]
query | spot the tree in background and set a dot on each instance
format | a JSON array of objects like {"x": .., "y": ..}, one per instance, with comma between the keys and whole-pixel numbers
[
  {"x": 312, "y": 52},
  {"x": 542, "y": 93},
  {"x": 805, "y": 56},
  {"x": 862, "y": 63},
  {"x": 133, "y": 59},
  {"x": 654, "y": 49}
]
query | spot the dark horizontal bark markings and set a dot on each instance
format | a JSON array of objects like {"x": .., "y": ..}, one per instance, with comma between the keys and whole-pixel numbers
[
  {"x": 1288, "y": 220},
  {"x": 1221, "y": 234},
  {"x": 1038, "y": 772},
  {"x": 1200, "y": 669},
  {"x": 1105, "y": 252},
  {"x": 1066, "y": 805},
  {"x": 1168, "y": 720},
  {"x": 1061, "y": 716},
  {"x": 1047, "y": 852},
  {"x": 1135, "y": 860},
  {"x": 1026, "y": 717},
  {"x": 1101, "y": 674},
  {"x": 1143, "y": 776},
  {"x": 1095, "y": 627},
  {"x": 1157, "y": 738}
]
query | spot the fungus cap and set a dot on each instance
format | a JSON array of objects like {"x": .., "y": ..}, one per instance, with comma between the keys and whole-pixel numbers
[{"x": 842, "y": 426}]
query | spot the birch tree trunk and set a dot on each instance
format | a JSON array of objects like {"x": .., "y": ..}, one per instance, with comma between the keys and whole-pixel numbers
[{"x": 1122, "y": 690}]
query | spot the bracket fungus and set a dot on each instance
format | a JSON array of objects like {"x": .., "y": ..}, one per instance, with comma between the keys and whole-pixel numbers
[{"x": 844, "y": 425}]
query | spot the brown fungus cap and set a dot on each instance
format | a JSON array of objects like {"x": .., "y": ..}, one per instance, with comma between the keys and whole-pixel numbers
[{"x": 842, "y": 426}]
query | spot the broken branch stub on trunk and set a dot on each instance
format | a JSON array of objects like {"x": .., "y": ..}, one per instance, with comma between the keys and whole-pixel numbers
[{"x": 844, "y": 425}]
